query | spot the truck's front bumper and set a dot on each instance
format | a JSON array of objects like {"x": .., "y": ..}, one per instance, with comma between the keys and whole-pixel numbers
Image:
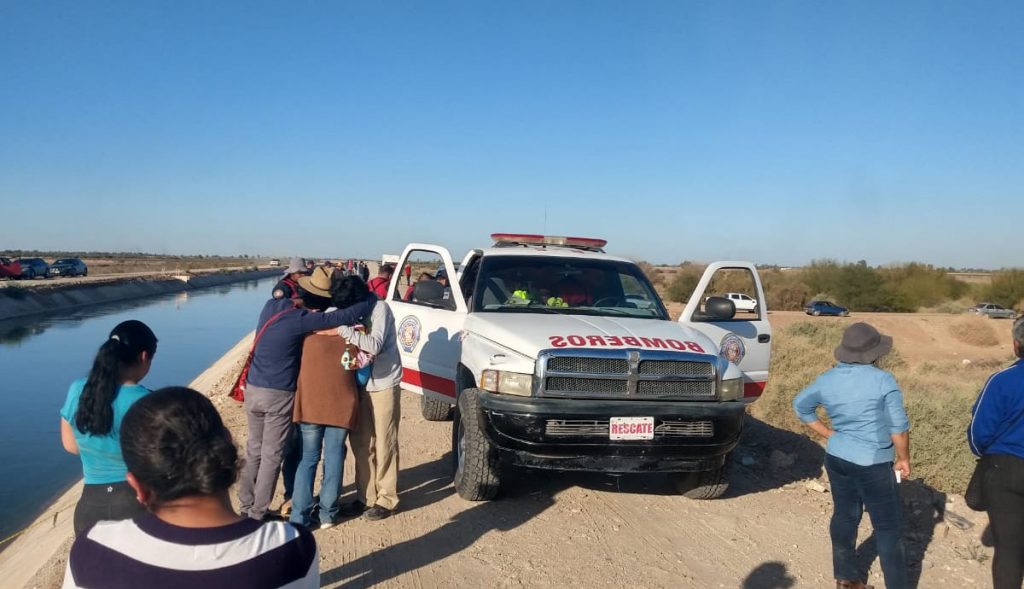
[{"x": 567, "y": 434}]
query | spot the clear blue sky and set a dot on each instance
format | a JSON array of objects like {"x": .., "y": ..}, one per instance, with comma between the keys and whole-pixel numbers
[{"x": 773, "y": 131}]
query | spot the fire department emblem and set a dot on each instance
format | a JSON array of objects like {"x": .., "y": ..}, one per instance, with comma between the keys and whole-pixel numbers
[
  {"x": 732, "y": 348},
  {"x": 409, "y": 333}
]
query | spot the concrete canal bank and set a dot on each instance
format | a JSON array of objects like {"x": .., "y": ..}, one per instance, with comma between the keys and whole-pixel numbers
[
  {"x": 16, "y": 301},
  {"x": 36, "y": 557}
]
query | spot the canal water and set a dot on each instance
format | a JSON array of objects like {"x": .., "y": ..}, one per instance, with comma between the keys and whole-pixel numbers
[{"x": 41, "y": 356}]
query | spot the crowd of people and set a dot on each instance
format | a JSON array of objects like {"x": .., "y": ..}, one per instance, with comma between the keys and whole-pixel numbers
[{"x": 325, "y": 370}]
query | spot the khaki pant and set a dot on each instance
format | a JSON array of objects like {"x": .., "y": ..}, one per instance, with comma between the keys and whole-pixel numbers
[{"x": 375, "y": 447}]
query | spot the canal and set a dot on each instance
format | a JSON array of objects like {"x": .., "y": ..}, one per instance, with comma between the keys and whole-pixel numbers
[{"x": 41, "y": 356}]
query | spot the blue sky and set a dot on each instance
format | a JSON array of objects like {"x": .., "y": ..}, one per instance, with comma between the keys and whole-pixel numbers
[{"x": 773, "y": 131}]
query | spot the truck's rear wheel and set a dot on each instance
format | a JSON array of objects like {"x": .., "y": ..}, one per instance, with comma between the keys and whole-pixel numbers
[
  {"x": 705, "y": 484},
  {"x": 477, "y": 473},
  {"x": 435, "y": 409}
]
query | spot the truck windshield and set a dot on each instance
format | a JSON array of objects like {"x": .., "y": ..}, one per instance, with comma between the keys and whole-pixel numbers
[{"x": 573, "y": 286}]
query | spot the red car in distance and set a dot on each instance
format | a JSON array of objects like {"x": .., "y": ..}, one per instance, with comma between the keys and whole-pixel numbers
[{"x": 9, "y": 268}]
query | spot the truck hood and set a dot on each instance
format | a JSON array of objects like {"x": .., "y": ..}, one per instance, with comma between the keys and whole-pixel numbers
[{"x": 528, "y": 334}]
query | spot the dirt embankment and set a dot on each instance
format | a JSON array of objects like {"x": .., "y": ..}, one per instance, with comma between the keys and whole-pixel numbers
[{"x": 16, "y": 301}]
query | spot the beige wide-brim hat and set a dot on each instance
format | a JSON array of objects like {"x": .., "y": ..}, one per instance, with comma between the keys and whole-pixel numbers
[
  {"x": 318, "y": 283},
  {"x": 862, "y": 344}
]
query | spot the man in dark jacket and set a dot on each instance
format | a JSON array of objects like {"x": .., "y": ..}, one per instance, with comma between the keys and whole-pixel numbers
[{"x": 270, "y": 387}]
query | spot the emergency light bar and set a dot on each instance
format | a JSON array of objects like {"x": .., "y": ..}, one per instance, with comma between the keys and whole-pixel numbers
[{"x": 505, "y": 239}]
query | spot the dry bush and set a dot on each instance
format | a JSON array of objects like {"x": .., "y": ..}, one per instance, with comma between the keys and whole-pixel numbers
[
  {"x": 975, "y": 331},
  {"x": 938, "y": 397}
]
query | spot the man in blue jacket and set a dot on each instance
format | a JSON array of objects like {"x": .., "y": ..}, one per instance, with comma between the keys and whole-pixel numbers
[
  {"x": 270, "y": 387},
  {"x": 996, "y": 433}
]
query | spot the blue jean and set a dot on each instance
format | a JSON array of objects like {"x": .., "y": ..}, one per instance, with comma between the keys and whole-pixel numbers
[
  {"x": 313, "y": 439},
  {"x": 874, "y": 487}
]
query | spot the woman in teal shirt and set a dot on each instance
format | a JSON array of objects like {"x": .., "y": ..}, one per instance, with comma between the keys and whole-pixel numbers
[{"x": 90, "y": 423}]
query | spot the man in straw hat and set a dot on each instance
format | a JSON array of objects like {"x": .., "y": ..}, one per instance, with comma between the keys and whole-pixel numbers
[
  {"x": 868, "y": 452},
  {"x": 271, "y": 384}
]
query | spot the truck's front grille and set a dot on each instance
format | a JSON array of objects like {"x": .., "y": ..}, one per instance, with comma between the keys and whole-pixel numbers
[
  {"x": 578, "y": 364},
  {"x": 676, "y": 368},
  {"x": 566, "y": 384},
  {"x": 598, "y": 428},
  {"x": 627, "y": 374},
  {"x": 696, "y": 390}
]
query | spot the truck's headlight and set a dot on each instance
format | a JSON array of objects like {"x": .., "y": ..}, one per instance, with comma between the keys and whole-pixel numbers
[
  {"x": 509, "y": 383},
  {"x": 732, "y": 390}
]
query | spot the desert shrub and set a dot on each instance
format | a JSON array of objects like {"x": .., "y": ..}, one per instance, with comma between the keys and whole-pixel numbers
[
  {"x": 785, "y": 290},
  {"x": 1007, "y": 288},
  {"x": 652, "y": 273},
  {"x": 922, "y": 285},
  {"x": 974, "y": 330},
  {"x": 949, "y": 307},
  {"x": 682, "y": 285}
]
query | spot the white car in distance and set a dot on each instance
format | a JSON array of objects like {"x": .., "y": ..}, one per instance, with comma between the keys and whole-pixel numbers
[{"x": 741, "y": 301}]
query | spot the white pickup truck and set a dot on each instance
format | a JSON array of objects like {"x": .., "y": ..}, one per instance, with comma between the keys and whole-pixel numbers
[{"x": 559, "y": 356}]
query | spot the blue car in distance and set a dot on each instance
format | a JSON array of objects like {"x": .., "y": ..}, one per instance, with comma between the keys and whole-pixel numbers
[{"x": 817, "y": 308}]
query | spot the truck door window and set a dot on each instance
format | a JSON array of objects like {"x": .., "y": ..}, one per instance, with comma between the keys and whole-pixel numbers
[
  {"x": 737, "y": 285},
  {"x": 430, "y": 285}
]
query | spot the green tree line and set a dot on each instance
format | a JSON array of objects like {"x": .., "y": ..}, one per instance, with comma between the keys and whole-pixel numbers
[{"x": 858, "y": 286}]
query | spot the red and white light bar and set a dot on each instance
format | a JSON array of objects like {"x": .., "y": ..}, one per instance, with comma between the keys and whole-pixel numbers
[{"x": 528, "y": 239}]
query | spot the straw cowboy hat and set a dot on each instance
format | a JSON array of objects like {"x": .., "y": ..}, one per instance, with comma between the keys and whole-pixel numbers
[
  {"x": 862, "y": 344},
  {"x": 318, "y": 283}
]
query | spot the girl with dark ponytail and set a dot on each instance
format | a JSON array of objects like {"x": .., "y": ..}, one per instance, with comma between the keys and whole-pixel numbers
[
  {"x": 91, "y": 422},
  {"x": 181, "y": 464}
]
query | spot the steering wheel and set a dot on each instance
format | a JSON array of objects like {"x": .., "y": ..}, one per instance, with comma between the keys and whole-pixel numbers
[{"x": 614, "y": 302}]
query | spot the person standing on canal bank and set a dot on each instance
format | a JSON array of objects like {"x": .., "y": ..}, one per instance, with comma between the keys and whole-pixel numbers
[
  {"x": 996, "y": 434},
  {"x": 90, "y": 424},
  {"x": 375, "y": 439},
  {"x": 270, "y": 387},
  {"x": 181, "y": 463},
  {"x": 379, "y": 285},
  {"x": 326, "y": 408},
  {"x": 869, "y": 422},
  {"x": 288, "y": 286}
]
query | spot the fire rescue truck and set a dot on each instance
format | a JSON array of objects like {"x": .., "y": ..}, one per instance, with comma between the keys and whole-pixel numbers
[{"x": 549, "y": 353}]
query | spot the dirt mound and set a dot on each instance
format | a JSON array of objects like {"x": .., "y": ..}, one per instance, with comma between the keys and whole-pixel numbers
[{"x": 974, "y": 330}]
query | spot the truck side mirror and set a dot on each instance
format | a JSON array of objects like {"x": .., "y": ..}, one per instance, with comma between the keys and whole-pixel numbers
[{"x": 718, "y": 309}]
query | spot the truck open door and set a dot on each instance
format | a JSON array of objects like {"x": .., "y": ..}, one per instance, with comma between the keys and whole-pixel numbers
[
  {"x": 744, "y": 339},
  {"x": 428, "y": 325}
]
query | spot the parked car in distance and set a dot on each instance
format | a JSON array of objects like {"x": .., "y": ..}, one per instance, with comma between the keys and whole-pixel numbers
[
  {"x": 817, "y": 308},
  {"x": 33, "y": 268},
  {"x": 993, "y": 310},
  {"x": 9, "y": 268},
  {"x": 69, "y": 267},
  {"x": 741, "y": 301},
  {"x": 274, "y": 262}
]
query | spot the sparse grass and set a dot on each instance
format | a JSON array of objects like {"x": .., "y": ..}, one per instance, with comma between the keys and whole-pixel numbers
[
  {"x": 974, "y": 330},
  {"x": 938, "y": 397}
]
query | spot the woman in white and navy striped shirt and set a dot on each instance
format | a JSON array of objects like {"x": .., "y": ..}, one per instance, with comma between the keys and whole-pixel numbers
[{"x": 181, "y": 462}]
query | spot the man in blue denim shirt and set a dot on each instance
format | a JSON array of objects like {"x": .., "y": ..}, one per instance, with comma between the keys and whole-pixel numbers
[{"x": 868, "y": 443}]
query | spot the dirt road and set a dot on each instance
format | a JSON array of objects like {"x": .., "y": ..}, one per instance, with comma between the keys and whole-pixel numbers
[{"x": 575, "y": 530}]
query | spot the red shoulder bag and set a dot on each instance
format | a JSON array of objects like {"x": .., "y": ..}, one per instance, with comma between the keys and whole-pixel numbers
[{"x": 238, "y": 390}]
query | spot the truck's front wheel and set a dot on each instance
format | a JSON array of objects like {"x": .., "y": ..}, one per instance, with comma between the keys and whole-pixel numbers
[
  {"x": 435, "y": 409},
  {"x": 477, "y": 473},
  {"x": 705, "y": 484}
]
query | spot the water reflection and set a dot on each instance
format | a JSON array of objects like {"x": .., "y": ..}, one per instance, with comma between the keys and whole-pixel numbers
[{"x": 41, "y": 355}]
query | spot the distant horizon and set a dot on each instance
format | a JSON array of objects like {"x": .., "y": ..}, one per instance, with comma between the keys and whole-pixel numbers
[{"x": 456, "y": 256}]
